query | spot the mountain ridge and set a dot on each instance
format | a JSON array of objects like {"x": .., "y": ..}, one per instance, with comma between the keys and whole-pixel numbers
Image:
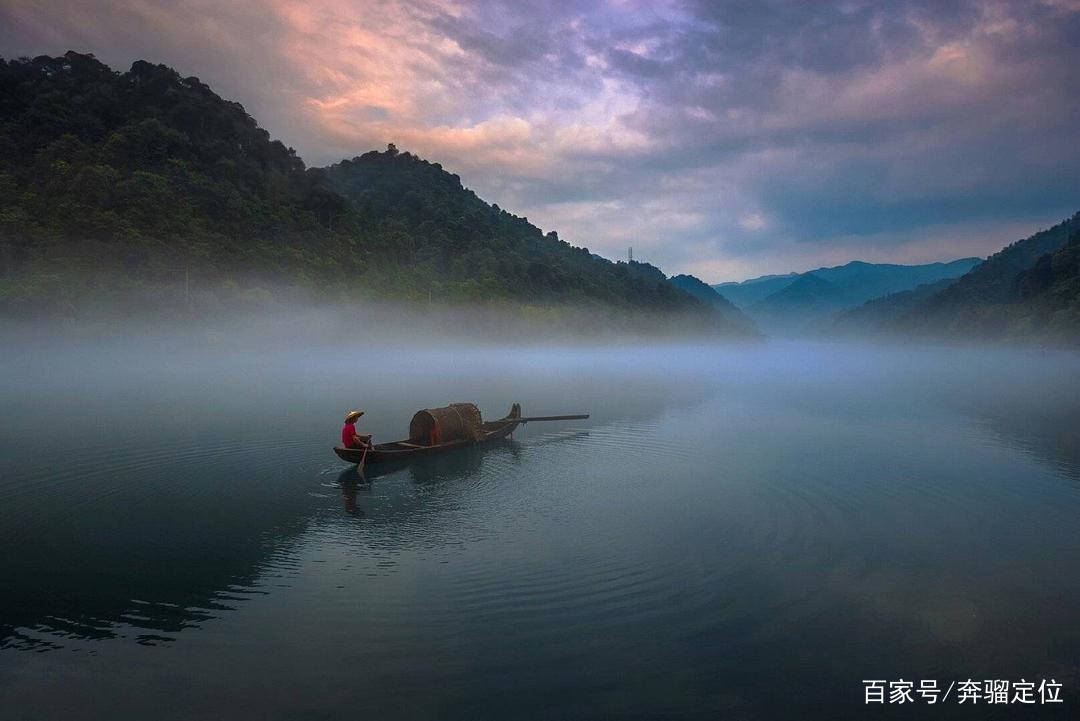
[
  {"x": 997, "y": 299},
  {"x": 706, "y": 294},
  {"x": 147, "y": 186},
  {"x": 802, "y": 302}
]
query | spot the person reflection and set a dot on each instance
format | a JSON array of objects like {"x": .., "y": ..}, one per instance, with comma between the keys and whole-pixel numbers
[{"x": 350, "y": 485}]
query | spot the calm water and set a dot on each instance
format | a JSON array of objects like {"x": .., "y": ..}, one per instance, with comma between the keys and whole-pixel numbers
[{"x": 735, "y": 533}]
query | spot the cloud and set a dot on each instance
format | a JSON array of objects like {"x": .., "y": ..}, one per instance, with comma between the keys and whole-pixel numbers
[
  {"x": 715, "y": 138},
  {"x": 752, "y": 222}
]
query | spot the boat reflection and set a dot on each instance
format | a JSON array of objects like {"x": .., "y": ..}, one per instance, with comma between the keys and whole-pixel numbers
[
  {"x": 452, "y": 465},
  {"x": 456, "y": 465}
]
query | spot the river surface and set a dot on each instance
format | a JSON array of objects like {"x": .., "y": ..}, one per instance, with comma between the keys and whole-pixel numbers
[{"x": 736, "y": 532}]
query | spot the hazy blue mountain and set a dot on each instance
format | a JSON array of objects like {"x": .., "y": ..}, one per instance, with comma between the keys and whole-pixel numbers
[
  {"x": 875, "y": 315},
  {"x": 796, "y": 306},
  {"x": 808, "y": 301},
  {"x": 806, "y": 290},
  {"x": 744, "y": 293},
  {"x": 857, "y": 282}
]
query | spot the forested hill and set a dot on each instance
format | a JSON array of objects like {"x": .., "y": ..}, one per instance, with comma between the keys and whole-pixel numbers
[
  {"x": 877, "y": 315},
  {"x": 112, "y": 182},
  {"x": 432, "y": 233},
  {"x": 1028, "y": 289},
  {"x": 708, "y": 295},
  {"x": 146, "y": 183}
]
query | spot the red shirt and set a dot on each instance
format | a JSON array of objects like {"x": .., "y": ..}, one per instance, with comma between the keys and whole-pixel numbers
[{"x": 347, "y": 432}]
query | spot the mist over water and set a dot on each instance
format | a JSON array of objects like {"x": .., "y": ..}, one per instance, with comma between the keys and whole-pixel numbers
[{"x": 746, "y": 530}]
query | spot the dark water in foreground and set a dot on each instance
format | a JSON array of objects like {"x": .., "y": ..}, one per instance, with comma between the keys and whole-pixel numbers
[{"x": 735, "y": 533}]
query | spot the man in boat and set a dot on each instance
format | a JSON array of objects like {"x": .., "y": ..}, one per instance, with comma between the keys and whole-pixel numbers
[{"x": 349, "y": 436}]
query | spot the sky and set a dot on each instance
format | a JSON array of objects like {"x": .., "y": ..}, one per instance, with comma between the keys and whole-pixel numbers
[{"x": 723, "y": 139}]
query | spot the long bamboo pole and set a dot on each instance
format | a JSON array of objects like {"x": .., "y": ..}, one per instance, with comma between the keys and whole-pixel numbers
[{"x": 553, "y": 418}]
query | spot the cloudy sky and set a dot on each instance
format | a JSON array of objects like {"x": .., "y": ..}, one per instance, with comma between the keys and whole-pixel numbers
[{"x": 724, "y": 139}]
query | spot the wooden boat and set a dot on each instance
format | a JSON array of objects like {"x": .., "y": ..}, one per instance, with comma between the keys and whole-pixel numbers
[{"x": 407, "y": 449}]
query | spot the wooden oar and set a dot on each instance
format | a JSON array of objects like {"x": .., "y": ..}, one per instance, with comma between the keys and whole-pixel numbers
[
  {"x": 363, "y": 457},
  {"x": 552, "y": 418}
]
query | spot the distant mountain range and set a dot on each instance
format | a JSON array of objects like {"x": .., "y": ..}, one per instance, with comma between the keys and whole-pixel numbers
[
  {"x": 805, "y": 302},
  {"x": 1028, "y": 290},
  {"x": 744, "y": 293}
]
